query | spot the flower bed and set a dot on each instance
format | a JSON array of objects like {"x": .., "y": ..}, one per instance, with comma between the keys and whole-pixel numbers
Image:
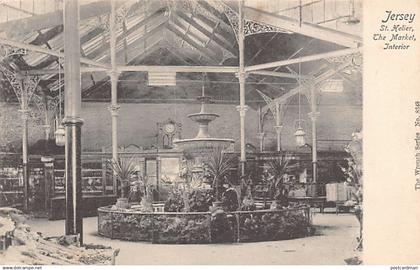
[{"x": 204, "y": 227}]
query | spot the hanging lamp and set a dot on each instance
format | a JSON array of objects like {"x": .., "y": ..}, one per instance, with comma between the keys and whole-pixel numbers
[
  {"x": 300, "y": 133},
  {"x": 60, "y": 133}
]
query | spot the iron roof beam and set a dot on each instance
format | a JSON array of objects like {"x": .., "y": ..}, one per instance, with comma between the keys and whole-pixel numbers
[
  {"x": 46, "y": 51},
  {"x": 104, "y": 47},
  {"x": 52, "y": 19},
  {"x": 306, "y": 28},
  {"x": 209, "y": 35},
  {"x": 308, "y": 58},
  {"x": 187, "y": 39}
]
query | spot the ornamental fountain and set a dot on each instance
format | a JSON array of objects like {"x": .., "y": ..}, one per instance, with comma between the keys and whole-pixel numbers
[{"x": 202, "y": 145}]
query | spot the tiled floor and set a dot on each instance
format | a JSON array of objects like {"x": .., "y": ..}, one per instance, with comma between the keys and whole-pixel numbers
[{"x": 334, "y": 241}]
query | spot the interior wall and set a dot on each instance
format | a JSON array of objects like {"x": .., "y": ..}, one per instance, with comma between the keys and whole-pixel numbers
[
  {"x": 334, "y": 123},
  {"x": 138, "y": 123}
]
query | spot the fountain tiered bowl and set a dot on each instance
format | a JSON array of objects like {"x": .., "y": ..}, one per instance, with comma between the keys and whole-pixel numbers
[{"x": 203, "y": 144}]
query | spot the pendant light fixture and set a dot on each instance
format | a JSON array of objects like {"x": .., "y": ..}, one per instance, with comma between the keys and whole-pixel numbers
[
  {"x": 60, "y": 133},
  {"x": 300, "y": 133}
]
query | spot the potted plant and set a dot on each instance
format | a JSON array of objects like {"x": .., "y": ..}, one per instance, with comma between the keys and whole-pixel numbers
[
  {"x": 123, "y": 169},
  {"x": 354, "y": 175},
  {"x": 277, "y": 169},
  {"x": 218, "y": 167}
]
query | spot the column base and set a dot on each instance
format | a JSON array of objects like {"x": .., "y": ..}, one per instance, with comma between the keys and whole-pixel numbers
[
  {"x": 73, "y": 172},
  {"x": 26, "y": 191}
]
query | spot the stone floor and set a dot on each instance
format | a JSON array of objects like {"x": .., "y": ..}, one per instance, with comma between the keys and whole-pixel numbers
[{"x": 334, "y": 241}]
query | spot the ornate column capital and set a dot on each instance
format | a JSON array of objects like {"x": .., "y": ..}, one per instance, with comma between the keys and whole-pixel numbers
[
  {"x": 278, "y": 128},
  {"x": 114, "y": 109},
  {"x": 25, "y": 114},
  {"x": 72, "y": 121},
  {"x": 113, "y": 74},
  {"x": 242, "y": 110},
  {"x": 314, "y": 116},
  {"x": 7, "y": 51},
  {"x": 241, "y": 75},
  {"x": 47, "y": 160}
]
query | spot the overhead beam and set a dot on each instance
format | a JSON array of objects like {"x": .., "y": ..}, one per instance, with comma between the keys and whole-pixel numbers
[
  {"x": 187, "y": 39},
  {"x": 51, "y": 19},
  {"x": 214, "y": 11},
  {"x": 209, "y": 35},
  {"x": 325, "y": 76},
  {"x": 55, "y": 71},
  {"x": 181, "y": 55},
  {"x": 279, "y": 74},
  {"x": 145, "y": 68},
  {"x": 134, "y": 46},
  {"x": 47, "y": 51},
  {"x": 199, "y": 69},
  {"x": 202, "y": 39},
  {"x": 230, "y": 37},
  {"x": 89, "y": 90},
  {"x": 104, "y": 46},
  {"x": 140, "y": 55},
  {"x": 303, "y": 59},
  {"x": 306, "y": 28}
]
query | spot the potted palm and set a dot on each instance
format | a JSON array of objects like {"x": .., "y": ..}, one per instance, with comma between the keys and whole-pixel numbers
[
  {"x": 278, "y": 167},
  {"x": 123, "y": 169},
  {"x": 354, "y": 174},
  {"x": 219, "y": 164}
]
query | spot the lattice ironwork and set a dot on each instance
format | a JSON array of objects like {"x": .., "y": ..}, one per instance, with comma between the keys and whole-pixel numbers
[
  {"x": 226, "y": 55},
  {"x": 276, "y": 108},
  {"x": 252, "y": 28},
  {"x": 14, "y": 82},
  {"x": 21, "y": 85},
  {"x": 7, "y": 51},
  {"x": 30, "y": 84},
  {"x": 233, "y": 18},
  {"x": 355, "y": 60},
  {"x": 306, "y": 91},
  {"x": 47, "y": 106},
  {"x": 121, "y": 14}
]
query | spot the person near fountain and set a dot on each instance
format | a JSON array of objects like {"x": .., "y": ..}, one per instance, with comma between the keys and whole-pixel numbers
[
  {"x": 230, "y": 198},
  {"x": 135, "y": 193}
]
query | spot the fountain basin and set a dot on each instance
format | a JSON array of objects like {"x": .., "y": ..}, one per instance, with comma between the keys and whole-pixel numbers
[
  {"x": 203, "y": 117},
  {"x": 202, "y": 146}
]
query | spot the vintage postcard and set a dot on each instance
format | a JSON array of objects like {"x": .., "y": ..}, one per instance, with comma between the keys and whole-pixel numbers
[{"x": 209, "y": 132}]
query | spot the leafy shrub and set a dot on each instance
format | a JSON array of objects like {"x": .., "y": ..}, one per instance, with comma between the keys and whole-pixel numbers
[
  {"x": 263, "y": 226},
  {"x": 230, "y": 200},
  {"x": 200, "y": 200},
  {"x": 181, "y": 229},
  {"x": 174, "y": 203}
]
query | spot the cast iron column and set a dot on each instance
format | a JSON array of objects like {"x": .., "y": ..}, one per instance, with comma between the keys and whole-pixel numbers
[
  {"x": 278, "y": 125},
  {"x": 24, "y": 87},
  {"x": 314, "y": 116},
  {"x": 242, "y": 108},
  {"x": 25, "y": 168},
  {"x": 113, "y": 74},
  {"x": 260, "y": 134},
  {"x": 72, "y": 120},
  {"x": 49, "y": 180}
]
